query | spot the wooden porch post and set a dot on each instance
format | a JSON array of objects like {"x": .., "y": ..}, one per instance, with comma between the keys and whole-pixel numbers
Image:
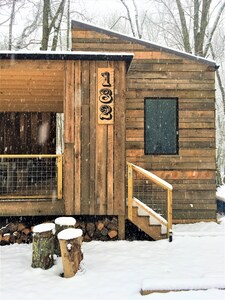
[{"x": 69, "y": 117}]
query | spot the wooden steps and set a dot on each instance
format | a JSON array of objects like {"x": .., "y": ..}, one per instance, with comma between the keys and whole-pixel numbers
[{"x": 148, "y": 220}]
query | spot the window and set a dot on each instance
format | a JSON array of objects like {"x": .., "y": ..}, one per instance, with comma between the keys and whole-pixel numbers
[{"x": 161, "y": 126}]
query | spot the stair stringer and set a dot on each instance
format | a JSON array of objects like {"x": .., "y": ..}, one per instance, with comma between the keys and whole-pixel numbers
[{"x": 148, "y": 220}]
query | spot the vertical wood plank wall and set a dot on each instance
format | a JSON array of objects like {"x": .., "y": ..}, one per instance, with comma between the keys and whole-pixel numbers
[
  {"x": 155, "y": 73},
  {"x": 94, "y": 159}
]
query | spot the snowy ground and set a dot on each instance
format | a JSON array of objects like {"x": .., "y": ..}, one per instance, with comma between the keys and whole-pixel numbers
[{"x": 116, "y": 270}]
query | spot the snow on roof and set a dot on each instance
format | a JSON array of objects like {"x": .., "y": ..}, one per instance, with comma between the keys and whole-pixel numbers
[
  {"x": 142, "y": 42},
  {"x": 69, "y": 234},
  {"x": 67, "y": 55},
  {"x": 65, "y": 221}
]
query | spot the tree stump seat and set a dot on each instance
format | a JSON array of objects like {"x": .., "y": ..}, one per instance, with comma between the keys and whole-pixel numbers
[
  {"x": 43, "y": 246},
  {"x": 70, "y": 241},
  {"x": 62, "y": 223}
]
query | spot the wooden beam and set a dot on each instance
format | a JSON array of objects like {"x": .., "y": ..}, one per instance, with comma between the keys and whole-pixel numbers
[
  {"x": 77, "y": 139},
  {"x": 68, "y": 183},
  {"x": 69, "y": 102},
  {"x": 31, "y": 208}
]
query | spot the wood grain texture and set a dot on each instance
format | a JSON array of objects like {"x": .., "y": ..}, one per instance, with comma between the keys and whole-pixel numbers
[
  {"x": 31, "y": 86},
  {"x": 77, "y": 139},
  {"x": 158, "y": 74}
]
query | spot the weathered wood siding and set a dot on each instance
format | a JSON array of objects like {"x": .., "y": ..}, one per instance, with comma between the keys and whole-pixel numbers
[
  {"x": 31, "y": 86},
  {"x": 156, "y": 73},
  {"x": 31, "y": 92},
  {"x": 94, "y": 169}
]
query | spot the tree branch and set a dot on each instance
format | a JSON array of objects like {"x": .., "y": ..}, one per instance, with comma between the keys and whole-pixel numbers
[
  {"x": 208, "y": 44},
  {"x": 129, "y": 17},
  {"x": 184, "y": 28}
]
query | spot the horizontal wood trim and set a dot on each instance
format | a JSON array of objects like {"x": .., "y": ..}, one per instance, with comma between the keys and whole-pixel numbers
[
  {"x": 182, "y": 152},
  {"x": 142, "y": 84},
  {"x": 177, "y": 75},
  {"x": 195, "y": 206},
  {"x": 105, "y": 47},
  {"x": 148, "y": 93},
  {"x": 32, "y": 107},
  {"x": 191, "y": 221},
  {"x": 196, "y": 125},
  {"x": 31, "y": 208},
  {"x": 195, "y": 174},
  {"x": 85, "y": 34},
  {"x": 201, "y": 214},
  {"x": 139, "y": 66},
  {"x": 7, "y": 64},
  {"x": 148, "y": 159}
]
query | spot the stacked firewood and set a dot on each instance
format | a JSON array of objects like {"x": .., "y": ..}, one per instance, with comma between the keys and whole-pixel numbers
[
  {"x": 105, "y": 229},
  {"x": 15, "y": 232},
  {"x": 102, "y": 229}
]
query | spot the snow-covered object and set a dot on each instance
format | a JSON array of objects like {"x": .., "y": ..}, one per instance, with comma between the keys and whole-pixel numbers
[
  {"x": 176, "y": 284},
  {"x": 151, "y": 212},
  {"x": 220, "y": 193},
  {"x": 69, "y": 234},
  {"x": 44, "y": 227},
  {"x": 65, "y": 221},
  {"x": 199, "y": 229},
  {"x": 125, "y": 264}
]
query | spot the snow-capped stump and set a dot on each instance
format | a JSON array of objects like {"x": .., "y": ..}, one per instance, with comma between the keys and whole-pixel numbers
[
  {"x": 43, "y": 246},
  {"x": 62, "y": 223},
  {"x": 70, "y": 241}
]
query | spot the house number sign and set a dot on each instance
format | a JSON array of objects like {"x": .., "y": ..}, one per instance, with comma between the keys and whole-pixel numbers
[{"x": 105, "y": 96}]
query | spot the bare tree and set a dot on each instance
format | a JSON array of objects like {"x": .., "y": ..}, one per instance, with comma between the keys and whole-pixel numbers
[
  {"x": 51, "y": 23},
  {"x": 25, "y": 39},
  {"x": 12, "y": 17},
  {"x": 133, "y": 16}
]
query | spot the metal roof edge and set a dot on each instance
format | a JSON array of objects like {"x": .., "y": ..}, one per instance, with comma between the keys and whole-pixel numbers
[{"x": 67, "y": 55}]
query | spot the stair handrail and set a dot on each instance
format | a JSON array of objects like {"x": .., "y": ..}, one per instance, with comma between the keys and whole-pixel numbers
[{"x": 158, "y": 181}]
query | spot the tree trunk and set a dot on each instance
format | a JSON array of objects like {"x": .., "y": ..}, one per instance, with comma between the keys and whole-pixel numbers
[
  {"x": 45, "y": 26},
  {"x": 70, "y": 241},
  {"x": 43, "y": 246},
  {"x": 12, "y": 17}
]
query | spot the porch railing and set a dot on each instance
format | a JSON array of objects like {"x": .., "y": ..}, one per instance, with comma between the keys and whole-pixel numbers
[
  {"x": 155, "y": 180},
  {"x": 30, "y": 176}
]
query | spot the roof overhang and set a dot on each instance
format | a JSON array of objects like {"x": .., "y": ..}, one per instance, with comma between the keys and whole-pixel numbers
[{"x": 67, "y": 55}]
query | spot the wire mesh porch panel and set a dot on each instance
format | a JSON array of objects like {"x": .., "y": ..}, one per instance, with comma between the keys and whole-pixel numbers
[
  {"x": 30, "y": 176},
  {"x": 150, "y": 194}
]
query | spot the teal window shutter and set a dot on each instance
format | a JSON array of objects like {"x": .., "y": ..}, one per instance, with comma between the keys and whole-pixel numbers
[{"x": 161, "y": 126}]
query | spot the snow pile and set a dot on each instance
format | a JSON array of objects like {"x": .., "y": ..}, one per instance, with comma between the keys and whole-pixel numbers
[
  {"x": 220, "y": 193},
  {"x": 176, "y": 284},
  {"x": 200, "y": 229},
  {"x": 116, "y": 270}
]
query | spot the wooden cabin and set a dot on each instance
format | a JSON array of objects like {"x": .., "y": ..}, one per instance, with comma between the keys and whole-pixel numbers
[{"x": 150, "y": 106}]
